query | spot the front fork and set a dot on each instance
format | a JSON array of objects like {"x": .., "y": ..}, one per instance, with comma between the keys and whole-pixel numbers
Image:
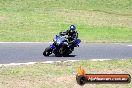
[{"x": 54, "y": 48}]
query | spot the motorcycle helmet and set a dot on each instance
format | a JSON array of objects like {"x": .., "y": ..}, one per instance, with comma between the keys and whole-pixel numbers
[{"x": 72, "y": 28}]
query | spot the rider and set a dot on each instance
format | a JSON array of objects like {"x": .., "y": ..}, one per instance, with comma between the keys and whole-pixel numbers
[{"x": 72, "y": 35}]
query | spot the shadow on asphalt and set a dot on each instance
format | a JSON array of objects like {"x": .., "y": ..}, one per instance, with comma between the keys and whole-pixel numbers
[{"x": 61, "y": 56}]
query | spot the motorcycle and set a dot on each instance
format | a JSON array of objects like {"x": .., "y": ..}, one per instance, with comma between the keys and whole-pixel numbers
[{"x": 60, "y": 46}]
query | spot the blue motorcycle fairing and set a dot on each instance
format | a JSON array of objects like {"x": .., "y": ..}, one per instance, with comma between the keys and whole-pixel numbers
[
  {"x": 59, "y": 40},
  {"x": 52, "y": 46}
]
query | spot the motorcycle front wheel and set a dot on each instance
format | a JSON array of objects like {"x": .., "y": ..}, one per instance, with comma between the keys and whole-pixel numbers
[{"x": 47, "y": 51}]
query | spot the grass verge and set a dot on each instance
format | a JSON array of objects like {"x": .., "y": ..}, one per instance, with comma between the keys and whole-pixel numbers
[
  {"x": 61, "y": 74},
  {"x": 39, "y": 21}
]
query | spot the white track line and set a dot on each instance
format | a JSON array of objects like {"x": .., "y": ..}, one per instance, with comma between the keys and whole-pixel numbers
[
  {"x": 30, "y": 63},
  {"x": 15, "y": 64},
  {"x": 129, "y": 45},
  {"x": 24, "y": 42},
  {"x": 49, "y": 62}
]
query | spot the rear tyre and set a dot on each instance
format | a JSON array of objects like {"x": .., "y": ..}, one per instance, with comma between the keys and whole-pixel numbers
[{"x": 47, "y": 51}]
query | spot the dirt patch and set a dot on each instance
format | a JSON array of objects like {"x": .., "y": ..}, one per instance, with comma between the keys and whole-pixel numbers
[
  {"x": 2, "y": 18},
  {"x": 115, "y": 71},
  {"x": 71, "y": 80},
  {"x": 16, "y": 83},
  {"x": 66, "y": 81},
  {"x": 95, "y": 18}
]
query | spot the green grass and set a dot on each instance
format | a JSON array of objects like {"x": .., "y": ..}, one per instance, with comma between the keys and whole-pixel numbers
[
  {"x": 40, "y": 20},
  {"x": 61, "y": 74}
]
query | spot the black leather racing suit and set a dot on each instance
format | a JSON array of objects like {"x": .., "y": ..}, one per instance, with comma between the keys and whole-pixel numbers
[{"x": 72, "y": 36}]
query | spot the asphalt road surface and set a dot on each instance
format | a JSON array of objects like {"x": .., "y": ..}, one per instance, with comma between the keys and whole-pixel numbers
[{"x": 32, "y": 52}]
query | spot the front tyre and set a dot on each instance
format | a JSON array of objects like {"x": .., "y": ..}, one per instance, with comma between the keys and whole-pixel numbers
[{"x": 47, "y": 51}]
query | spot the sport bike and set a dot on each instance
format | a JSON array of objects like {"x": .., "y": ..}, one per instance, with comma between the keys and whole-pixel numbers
[{"x": 60, "y": 46}]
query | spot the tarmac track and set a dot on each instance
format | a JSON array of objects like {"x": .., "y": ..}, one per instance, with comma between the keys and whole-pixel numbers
[{"x": 32, "y": 52}]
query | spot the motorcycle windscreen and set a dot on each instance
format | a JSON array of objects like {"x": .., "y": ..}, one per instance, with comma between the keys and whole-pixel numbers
[{"x": 59, "y": 40}]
